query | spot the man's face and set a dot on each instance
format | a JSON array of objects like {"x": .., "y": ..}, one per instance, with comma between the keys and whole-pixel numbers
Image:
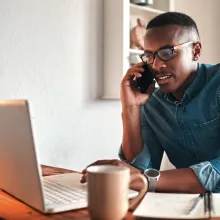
[{"x": 170, "y": 74}]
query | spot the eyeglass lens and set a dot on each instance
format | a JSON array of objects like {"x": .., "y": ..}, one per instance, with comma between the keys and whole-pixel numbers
[{"x": 163, "y": 54}]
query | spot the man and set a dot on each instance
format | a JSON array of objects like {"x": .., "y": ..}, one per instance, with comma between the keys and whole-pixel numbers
[{"x": 182, "y": 117}]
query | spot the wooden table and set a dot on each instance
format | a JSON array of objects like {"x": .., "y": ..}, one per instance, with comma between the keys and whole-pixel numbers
[{"x": 11, "y": 209}]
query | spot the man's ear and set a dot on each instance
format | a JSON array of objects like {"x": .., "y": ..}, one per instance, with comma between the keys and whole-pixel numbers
[{"x": 197, "y": 50}]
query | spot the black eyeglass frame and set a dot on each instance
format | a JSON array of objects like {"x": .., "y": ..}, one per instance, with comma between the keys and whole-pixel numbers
[{"x": 172, "y": 48}]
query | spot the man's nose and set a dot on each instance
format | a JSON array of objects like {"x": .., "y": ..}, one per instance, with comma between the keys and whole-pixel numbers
[{"x": 158, "y": 63}]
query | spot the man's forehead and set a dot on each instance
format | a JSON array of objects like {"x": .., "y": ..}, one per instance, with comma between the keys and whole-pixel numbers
[{"x": 162, "y": 36}]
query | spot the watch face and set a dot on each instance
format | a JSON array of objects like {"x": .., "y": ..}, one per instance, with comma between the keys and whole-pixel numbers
[{"x": 152, "y": 173}]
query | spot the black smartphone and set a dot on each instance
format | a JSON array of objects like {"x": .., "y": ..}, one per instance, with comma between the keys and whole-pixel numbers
[{"x": 146, "y": 80}]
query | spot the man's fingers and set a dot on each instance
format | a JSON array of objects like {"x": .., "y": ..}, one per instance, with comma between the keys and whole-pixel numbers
[
  {"x": 98, "y": 162},
  {"x": 131, "y": 75},
  {"x": 92, "y": 164},
  {"x": 139, "y": 64},
  {"x": 84, "y": 171},
  {"x": 83, "y": 179},
  {"x": 134, "y": 71},
  {"x": 117, "y": 163}
]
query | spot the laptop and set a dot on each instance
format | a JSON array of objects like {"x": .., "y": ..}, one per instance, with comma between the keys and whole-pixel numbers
[{"x": 20, "y": 171}]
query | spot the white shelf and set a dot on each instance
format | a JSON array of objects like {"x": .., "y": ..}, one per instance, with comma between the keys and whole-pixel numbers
[
  {"x": 135, "y": 9},
  {"x": 119, "y": 17},
  {"x": 135, "y": 51}
]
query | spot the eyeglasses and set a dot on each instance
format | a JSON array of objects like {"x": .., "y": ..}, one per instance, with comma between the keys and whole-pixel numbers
[{"x": 164, "y": 53}]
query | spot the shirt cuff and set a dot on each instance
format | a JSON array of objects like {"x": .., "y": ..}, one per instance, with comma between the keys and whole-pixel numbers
[
  {"x": 142, "y": 161},
  {"x": 207, "y": 175}
]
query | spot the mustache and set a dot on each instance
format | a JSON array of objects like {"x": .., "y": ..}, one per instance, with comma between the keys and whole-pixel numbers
[{"x": 155, "y": 72}]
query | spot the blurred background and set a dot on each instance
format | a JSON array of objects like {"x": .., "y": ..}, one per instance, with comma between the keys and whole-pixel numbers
[{"x": 67, "y": 58}]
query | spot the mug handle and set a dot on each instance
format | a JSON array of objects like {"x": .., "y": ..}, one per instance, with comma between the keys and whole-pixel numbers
[{"x": 143, "y": 190}]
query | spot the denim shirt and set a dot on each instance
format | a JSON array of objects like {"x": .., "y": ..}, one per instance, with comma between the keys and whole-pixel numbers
[{"x": 188, "y": 131}]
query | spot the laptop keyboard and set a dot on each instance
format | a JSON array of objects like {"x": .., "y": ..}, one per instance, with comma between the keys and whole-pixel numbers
[{"x": 56, "y": 193}]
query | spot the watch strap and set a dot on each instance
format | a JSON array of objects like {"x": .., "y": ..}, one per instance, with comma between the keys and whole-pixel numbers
[{"x": 152, "y": 184}]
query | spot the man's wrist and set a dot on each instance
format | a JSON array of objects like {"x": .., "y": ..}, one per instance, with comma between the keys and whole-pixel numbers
[
  {"x": 132, "y": 111},
  {"x": 128, "y": 107}
]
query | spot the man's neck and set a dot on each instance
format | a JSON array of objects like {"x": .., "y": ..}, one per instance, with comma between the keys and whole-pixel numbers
[{"x": 178, "y": 94}]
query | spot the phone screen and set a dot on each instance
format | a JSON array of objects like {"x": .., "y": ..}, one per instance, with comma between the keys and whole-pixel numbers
[{"x": 146, "y": 80}]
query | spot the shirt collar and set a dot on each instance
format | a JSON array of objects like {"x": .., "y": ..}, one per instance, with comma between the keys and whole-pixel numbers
[{"x": 194, "y": 88}]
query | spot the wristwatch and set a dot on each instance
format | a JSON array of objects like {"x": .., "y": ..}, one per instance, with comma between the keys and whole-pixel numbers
[{"x": 152, "y": 176}]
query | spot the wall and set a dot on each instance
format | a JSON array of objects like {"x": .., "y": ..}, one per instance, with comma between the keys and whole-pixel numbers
[
  {"x": 207, "y": 16},
  {"x": 51, "y": 53}
]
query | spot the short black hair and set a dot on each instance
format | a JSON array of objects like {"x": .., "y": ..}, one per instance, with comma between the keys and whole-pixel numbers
[{"x": 172, "y": 18}]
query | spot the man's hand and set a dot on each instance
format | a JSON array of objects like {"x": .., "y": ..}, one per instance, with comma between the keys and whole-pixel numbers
[
  {"x": 109, "y": 162},
  {"x": 130, "y": 93}
]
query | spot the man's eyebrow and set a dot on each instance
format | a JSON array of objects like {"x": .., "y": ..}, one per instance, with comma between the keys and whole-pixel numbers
[
  {"x": 147, "y": 51},
  {"x": 165, "y": 46}
]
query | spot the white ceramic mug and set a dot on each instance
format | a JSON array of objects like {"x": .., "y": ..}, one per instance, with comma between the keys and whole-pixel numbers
[{"x": 108, "y": 188}]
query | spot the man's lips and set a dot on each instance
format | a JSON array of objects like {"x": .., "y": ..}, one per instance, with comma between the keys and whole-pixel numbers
[{"x": 163, "y": 78}]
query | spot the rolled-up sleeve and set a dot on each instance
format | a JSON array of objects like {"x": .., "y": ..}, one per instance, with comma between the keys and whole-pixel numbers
[
  {"x": 142, "y": 161},
  {"x": 208, "y": 173},
  {"x": 151, "y": 154}
]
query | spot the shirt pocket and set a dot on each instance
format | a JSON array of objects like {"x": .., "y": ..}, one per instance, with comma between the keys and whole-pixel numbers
[{"x": 209, "y": 132}]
